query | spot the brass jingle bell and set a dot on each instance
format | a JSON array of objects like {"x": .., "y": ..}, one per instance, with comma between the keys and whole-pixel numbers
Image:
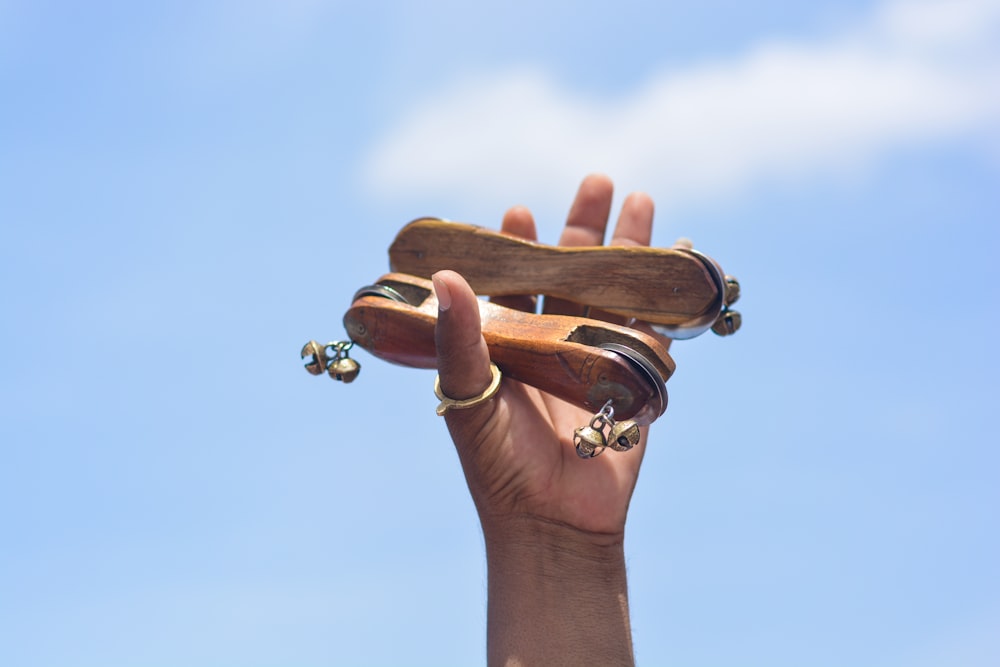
[
  {"x": 589, "y": 442},
  {"x": 344, "y": 369},
  {"x": 624, "y": 436},
  {"x": 728, "y": 323},
  {"x": 316, "y": 354}
]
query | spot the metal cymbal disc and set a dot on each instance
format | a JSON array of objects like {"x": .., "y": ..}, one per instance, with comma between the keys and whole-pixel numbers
[
  {"x": 655, "y": 407},
  {"x": 379, "y": 290},
  {"x": 701, "y": 323}
]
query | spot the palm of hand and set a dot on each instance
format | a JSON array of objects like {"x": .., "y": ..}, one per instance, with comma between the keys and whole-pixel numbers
[
  {"x": 518, "y": 457},
  {"x": 526, "y": 465},
  {"x": 553, "y": 522}
]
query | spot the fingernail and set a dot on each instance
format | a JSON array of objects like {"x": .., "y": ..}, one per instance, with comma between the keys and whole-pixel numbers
[
  {"x": 684, "y": 243},
  {"x": 442, "y": 293}
]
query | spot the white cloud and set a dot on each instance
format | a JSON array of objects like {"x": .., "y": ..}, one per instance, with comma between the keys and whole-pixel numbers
[{"x": 913, "y": 72}]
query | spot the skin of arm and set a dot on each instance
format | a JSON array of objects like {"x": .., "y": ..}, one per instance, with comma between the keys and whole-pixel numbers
[{"x": 553, "y": 524}]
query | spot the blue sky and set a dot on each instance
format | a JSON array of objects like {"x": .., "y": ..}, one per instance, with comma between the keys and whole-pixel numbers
[{"x": 190, "y": 191}]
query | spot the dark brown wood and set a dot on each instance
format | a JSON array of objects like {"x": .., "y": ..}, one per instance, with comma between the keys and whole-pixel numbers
[
  {"x": 557, "y": 354},
  {"x": 657, "y": 285}
]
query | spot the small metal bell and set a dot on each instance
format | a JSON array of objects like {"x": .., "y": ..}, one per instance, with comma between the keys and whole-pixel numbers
[
  {"x": 728, "y": 323},
  {"x": 589, "y": 442},
  {"x": 732, "y": 291},
  {"x": 316, "y": 354},
  {"x": 624, "y": 436},
  {"x": 344, "y": 369}
]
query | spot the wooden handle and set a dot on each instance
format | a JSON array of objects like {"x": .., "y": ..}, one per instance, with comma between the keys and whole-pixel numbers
[
  {"x": 556, "y": 354},
  {"x": 657, "y": 285}
]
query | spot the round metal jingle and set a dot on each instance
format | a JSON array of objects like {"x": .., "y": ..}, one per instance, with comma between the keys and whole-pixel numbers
[
  {"x": 701, "y": 323},
  {"x": 589, "y": 442},
  {"x": 379, "y": 290},
  {"x": 624, "y": 435},
  {"x": 654, "y": 408}
]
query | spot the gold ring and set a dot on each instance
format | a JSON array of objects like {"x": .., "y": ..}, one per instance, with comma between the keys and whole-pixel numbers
[{"x": 449, "y": 403}]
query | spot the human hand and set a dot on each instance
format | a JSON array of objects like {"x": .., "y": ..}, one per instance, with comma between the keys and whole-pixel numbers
[{"x": 516, "y": 449}]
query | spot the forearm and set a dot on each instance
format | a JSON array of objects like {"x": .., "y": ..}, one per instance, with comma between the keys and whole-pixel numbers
[{"x": 556, "y": 596}]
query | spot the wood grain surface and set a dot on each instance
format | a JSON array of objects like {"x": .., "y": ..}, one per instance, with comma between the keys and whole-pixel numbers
[
  {"x": 657, "y": 285},
  {"x": 557, "y": 354}
]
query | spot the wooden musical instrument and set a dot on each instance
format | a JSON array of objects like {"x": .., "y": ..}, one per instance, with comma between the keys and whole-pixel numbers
[{"x": 606, "y": 368}]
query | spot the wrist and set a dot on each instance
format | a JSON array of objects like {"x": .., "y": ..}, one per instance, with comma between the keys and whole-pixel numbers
[
  {"x": 551, "y": 540},
  {"x": 557, "y": 595}
]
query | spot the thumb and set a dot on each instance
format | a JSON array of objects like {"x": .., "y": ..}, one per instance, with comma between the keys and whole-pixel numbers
[{"x": 463, "y": 358}]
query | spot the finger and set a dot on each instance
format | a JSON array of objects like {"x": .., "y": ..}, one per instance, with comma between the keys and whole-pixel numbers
[
  {"x": 585, "y": 226},
  {"x": 635, "y": 222},
  {"x": 588, "y": 217},
  {"x": 635, "y": 228},
  {"x": 463, "y": 358},
  {"x": 518, "y": 222}
]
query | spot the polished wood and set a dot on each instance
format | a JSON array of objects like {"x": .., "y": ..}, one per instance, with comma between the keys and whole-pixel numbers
[
  {"x": 657, "y": 285},
  {"x": 557, "y": 354}
]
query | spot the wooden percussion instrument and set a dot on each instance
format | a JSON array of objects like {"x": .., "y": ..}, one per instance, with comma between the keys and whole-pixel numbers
[{"x": 605, "y": 368}]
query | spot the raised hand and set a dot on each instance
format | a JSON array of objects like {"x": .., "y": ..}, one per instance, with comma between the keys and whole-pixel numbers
[{"x": 554, "y": 523}]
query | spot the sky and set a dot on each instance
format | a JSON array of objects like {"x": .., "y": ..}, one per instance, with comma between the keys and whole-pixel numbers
[{"x": 191, "y": 191}]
